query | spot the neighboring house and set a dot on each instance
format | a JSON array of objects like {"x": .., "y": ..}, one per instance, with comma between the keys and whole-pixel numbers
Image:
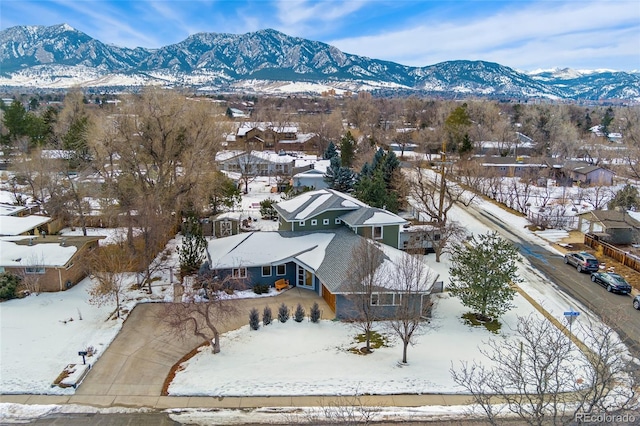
[
  {"x": 329, "y": 209},
  {"x": 23, "y": 225},
  {"x": 255, "y": 163},
  {"x": 49, "y": 263},
  {"x": 588, "y": 174},
  {"x": 512, "y": 166},
  {"x": 309, "y": 179},
  {"x": 12, "y": 210},
  {"x": 316, "y": 261},
  {"x": 270, "y": 136},
  {"x": 611, "y": 226}
]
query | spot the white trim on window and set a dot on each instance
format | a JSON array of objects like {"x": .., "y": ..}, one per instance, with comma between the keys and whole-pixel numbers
[
  {"x": 325, "y": 221},
  {"x": 338, "y": 221},
  {"x": 301, "y": 223},
  {"x": 314, "y": 222},
  {"x": 279, "y": 271},
  {"x": 264, "y": 269},
  {"x": 239, "y": 272},
  {"x": 377, "y": 235},
  {"x": 386, "y": 299}
]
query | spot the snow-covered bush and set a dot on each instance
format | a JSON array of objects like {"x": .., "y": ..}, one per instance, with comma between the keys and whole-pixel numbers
[
  {"x": 283, "y": 313},
  {"x": 298, "y": 315}
]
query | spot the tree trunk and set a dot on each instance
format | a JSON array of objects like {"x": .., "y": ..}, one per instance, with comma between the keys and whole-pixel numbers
[
  {"x": 405, "y": 344},
  {"x": 215, "y": 343}
]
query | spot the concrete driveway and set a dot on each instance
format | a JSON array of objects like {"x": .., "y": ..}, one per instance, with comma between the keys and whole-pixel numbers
[{"x": 141, "y": 356}]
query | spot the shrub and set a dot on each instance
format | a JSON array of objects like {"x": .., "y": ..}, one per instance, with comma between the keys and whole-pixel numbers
[
  {"x": 266, "y": 316},
  {"x": 315, "y": 313},
  {"x": 8, "y": 285},
  {"x": 283, "y": 313},
  {"x": 254, "y": 319},
  {"x": 261, "y": 288},
  {"x": 298, "y": 315}
]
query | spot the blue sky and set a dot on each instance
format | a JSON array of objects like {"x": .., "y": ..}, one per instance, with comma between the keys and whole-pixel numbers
[{"x": 523, "y": 34}]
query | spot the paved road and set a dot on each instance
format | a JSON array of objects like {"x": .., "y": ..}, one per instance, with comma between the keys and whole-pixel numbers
[{"x": 614, "y": 309}]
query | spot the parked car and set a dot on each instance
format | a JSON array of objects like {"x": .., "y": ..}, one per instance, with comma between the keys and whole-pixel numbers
[
  {"x": 582, "y": 261},
  {"x": 613, "y": 282},
  {"x": 636, "y": 302}
]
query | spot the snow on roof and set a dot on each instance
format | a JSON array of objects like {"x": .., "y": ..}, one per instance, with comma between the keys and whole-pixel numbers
[
  {"x": 310, "y": 209},
  {"x": 14, "y": 225},
  {"x": 393, "y": 258},
  {"x": 248, "y": 250},
  {"x": 297, "y": 202},
  {"x": 382, "y": 217},
  {"x": 311, "y": 173},
  {"x": 225, "y": 155},
  {"x": 40, "y": 254},
  {"x": 10, "y": 209}
]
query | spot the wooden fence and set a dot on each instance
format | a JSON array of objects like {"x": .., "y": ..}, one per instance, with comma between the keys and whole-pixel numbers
[{"x": 613, "y": 252}]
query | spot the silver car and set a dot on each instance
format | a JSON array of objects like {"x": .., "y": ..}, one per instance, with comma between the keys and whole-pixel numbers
[{"x": 583, "y": 261}]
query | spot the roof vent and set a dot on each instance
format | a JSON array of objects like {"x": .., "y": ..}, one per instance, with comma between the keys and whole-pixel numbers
[{"x": 63, "y": 242}]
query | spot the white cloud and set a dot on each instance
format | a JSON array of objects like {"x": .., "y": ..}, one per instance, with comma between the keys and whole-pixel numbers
[{"x": 547, "y": 32}]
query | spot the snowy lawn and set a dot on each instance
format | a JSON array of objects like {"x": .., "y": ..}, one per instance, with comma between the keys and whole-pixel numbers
[
  {"x": 314, "y": 359},
  {"x": 43, "y": 333}
]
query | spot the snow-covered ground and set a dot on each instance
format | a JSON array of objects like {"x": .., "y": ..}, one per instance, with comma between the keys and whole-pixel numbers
[{"x": 43, "y": 333}]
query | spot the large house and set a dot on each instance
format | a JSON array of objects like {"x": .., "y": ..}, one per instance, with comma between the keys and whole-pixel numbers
[
  {"x": 49, "y": 263},
  {"x": 313, "y": 250},
  {"x": 262, "y": 136}
]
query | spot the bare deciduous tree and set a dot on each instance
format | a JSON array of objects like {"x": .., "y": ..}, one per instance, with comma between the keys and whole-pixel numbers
[
  {"x": 201, "y": 312},
  {"x": 366, "y": 276},
  {"x": 541, "y": 377},
  {"x": 109, "y": 266},
  {"x": 412, "y": 279},
  {"x": 434, "y": 195}
]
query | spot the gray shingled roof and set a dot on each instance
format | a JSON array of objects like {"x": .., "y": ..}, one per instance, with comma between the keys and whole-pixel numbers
[
  {"x": 615, "y": 219},
  {"x": 337, "y": 201},
  {"x": 334, "y": 270},
  {"x": 360, "y": 216}
]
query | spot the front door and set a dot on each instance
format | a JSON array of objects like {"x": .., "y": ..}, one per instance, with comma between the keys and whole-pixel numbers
[{"x": 305, "y": 278}]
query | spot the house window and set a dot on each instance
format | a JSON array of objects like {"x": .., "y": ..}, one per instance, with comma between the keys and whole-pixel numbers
[
  {"x": 325, "y": 221},
  {"x": 266, "y": 271},
  {"x": 386, "y": 299},
  {"x": 301, "y": 223},
  {"x": 69, "y": 266},
  {"x": 239, "y": 272},
  {"x": 34, "y": 270},
  {"x": 314, "y": 222},
  {"x": 281, "y": 270},
  {"x": 436, "y": 237},
  {"x": 377, "y": 232},
  {"x": 338, "y": 221}
]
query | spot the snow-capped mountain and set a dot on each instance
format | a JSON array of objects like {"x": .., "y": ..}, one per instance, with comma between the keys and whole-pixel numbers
[{"x": 60, "y": 56}]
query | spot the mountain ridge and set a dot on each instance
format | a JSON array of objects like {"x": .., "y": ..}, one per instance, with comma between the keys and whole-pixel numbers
[{"x": 61, "y": 56}]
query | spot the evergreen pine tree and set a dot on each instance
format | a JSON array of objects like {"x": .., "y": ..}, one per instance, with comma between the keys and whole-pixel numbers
[
  {"x": 347, "y": 149},
  {"x": 626, "y": 198},
  {"x": 315, "y": 312},
  {"x": 482, "y": 273},
  {"x": 283, "y": 313},
  {"x": 193, "y": 248},
  {"x": 266, "y": 316},
  {"x": 344, "y": 180},
  {"x": 298, "y": 315},
  {"x": 330, "y": 152},
  {"x": 254, "y": 319}
]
